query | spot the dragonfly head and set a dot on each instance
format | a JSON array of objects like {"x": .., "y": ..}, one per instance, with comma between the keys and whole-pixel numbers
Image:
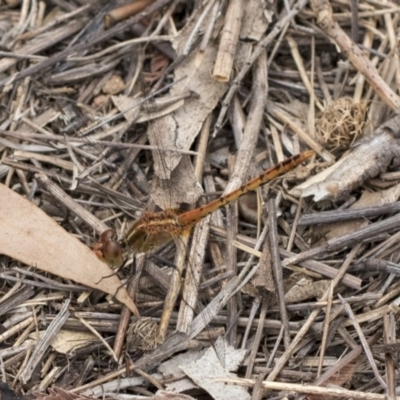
[{"x": 108, "y": 249}]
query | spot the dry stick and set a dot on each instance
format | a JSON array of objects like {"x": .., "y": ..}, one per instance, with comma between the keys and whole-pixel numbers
[
  {"x": 377, "y": 112},
  {"x": 302, "y": 71},
  {"x": 358, "y": 93},
  {"x": 23, "y": 337},
  {"x": 389, "y": 332},
  {"x": 57, "y": 36},
  {"x": 234, "y": 285},
  {"x": 34, "y": 283},
  {"x": 364, "y": 343},
  {"x": 253, "y": 124},
  {"x": 118, "y": 177},
  {"x": 165, "y": 19},
  {"x": 48, "y": 376},
  {"x": 151, "y": 378},
  {"x": 325, "y": 331},
  {"x": 28, "y": 353},
  {"x": 347, "y": 240},
  {"x": 266, "y": 268},
  {"x": 229, "y": 39},
  {"x": 381, "y": 247},
  {"x": 210, "y": 25},
  {"x": 14, "y": 297},
  {"x": 188, "y": 46},
  {"x": 100, "y": 381},
  {"x": 278, "y": 43},
  {"x": 244, "y": 155},
  {"x": 326, "y": 217},
  {"x": 313, "y": 265},
  {"x": 255, "y": 305},
  {"x": 345, "y": 360},
  {"x": 193, "y": 275},
  {"x": 322, "y": 84},
  {"x": 123, "y": 12},
  {"x": 161, "y": 277},
  {"x": 70, "y": 203},
  {"x": 375, "y": 264},
  {"x": 301, "y": 133},
  {"x": 232, "y": 267},
  {"x": 19, "y": 102},
  {"x": 307, "y": 325},
  {"x": 257, "y": 339},
  {"x": 125, "y": 312},
  {"x": 216, "y": 219},
  {"x": 175, "y": 285},
  {"x": 324, "y": 13},
  {"x": 293, "y": 232},
  {"x": 277, "y": 270},
  {"x": 198, "y": 247},
  {"x": 257, "y": 51},
  {"x": 237, "y": 120},
  {"x": 58, "y": 20},
  {"x": 258, "y": 393},
  {"x": 291, "y": 229},
  {"x": 75, "y": 141},
  {"x": 45, "y": 342},
  {"x": 231, "y": 257},
  {"x": 16, "y": 328},
  {"x": 318, "y": 391},
  {"x": 175, "y": 343},
  {"x": 85, "y": 45},
  {"x": 195, "y": 261},
  {"x": 312, "y": 100},
  {"x": 97, "y": 334}
]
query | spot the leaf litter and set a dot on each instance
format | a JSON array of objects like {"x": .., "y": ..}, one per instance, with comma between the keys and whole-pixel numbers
[{"x": 239, "y": 70}]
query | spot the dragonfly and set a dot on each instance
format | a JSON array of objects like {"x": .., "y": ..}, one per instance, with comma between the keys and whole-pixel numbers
[{"x": 155, "y": 229}]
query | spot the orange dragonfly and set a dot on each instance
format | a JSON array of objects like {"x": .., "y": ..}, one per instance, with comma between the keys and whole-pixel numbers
[{"x": 154, "y": 229}]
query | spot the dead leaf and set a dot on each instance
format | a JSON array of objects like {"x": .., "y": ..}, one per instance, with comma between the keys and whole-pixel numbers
[
  {"x": 172, "y": 371},
  {"x": 180, "y": 129},
  {"x": 306, "y": 289},
  {"x": 68, "y": 340},
  {"x": 208, "y": 369},
  {"x": 29, "y": 235}
]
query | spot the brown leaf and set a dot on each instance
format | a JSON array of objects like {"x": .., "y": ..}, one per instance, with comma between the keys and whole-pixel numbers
[{"x": 32, "y": 237}]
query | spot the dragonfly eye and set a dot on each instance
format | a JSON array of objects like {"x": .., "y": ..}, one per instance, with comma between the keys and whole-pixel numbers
[
  {"x": 108, "y": 249},
  {"x": 112, "y": 253},
  {"x": 107, "y": 235}
]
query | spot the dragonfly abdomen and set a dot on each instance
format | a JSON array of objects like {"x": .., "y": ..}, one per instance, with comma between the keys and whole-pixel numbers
[{"x": 190, "y": 218}]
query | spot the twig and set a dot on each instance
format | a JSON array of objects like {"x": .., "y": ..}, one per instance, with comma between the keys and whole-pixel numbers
[
  {"x": 228, "y": 43},
  {"x": 277, "y": 270},
  {"x": 324, "y": 12},
  {"x": 257, "y": 51}
]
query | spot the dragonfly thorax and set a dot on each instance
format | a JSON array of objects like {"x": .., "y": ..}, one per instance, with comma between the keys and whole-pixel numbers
[{"x": 152, "y": 230}]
